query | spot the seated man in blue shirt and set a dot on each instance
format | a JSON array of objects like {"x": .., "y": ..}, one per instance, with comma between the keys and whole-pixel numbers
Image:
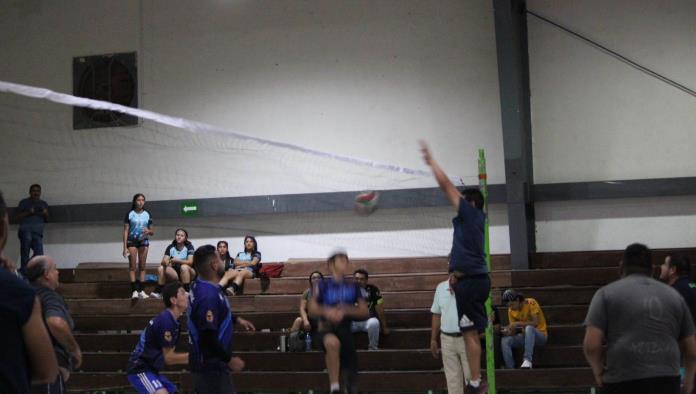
[
  {"x": 211, "y": 325},
  {"x": 32, "y": 214},
  {"x": 337, "y": 303},
  {"x": 155, "y": 349}
]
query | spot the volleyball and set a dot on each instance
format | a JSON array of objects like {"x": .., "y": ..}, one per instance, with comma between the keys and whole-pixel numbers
[{"x": 366, "y": 202}]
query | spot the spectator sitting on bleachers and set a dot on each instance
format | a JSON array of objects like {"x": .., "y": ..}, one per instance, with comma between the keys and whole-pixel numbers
[
  {"x": 305, "y": 322},
  {"x": 375, "y": 304},
  {"x": 246, "y": 266},
  {"x": 177, "y": 263},
  {"x": 223, "y": 250},
  {"x": 526, "y": 328},
  {"x": 43, "y": 274}
]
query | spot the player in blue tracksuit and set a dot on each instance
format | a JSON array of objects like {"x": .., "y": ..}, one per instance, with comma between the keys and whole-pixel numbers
[
  {"x": 155, "y": 349},
  {"x": 338, "y": 303},
  {"x": 211, "y": 327}
]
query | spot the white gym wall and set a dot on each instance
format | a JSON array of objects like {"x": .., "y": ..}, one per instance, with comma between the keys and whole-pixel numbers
[{"x": 360, "y": 79}]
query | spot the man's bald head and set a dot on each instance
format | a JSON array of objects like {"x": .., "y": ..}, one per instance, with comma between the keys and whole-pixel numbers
[{"x": 42, "y": 270}]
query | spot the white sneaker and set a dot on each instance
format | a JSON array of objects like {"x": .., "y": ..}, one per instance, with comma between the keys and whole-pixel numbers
[
  {"x": 135, "y": 295},
  {"x": 142, "y": 295},
  {"x": 526, "y": 364},
  {"x": 156, "y": 295}
]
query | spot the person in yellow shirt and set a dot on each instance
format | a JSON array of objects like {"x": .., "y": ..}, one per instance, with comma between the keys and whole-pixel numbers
[{"x": 526, "y": 328}]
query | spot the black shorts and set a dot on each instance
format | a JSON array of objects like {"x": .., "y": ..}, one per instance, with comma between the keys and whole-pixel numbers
[
  {"x": 657, "y": 385},
  {"x": 141, "y": 243},
  {"x": 348, "y": 357},
  {"x": 471, "y": 293}
]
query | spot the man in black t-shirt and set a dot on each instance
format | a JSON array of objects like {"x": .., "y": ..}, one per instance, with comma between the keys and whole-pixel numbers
[
  {"x": 375, "y": 304},
  {"x": 26, "y": 348},
  {"x": 43, "y": 274}
]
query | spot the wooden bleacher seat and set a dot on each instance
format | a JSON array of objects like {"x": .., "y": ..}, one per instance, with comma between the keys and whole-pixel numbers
[{"x": 108, "y": 323}]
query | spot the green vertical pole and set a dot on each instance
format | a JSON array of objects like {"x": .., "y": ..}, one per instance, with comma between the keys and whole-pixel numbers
[{"x": 490, "y": 352}]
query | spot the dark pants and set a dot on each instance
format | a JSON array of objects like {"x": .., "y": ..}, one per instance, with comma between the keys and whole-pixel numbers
[
  {"x": 57, "y": 387},
  {"x": 29, "y": 240},
  {"x": 471, "y": 293},
  {"x": 213, "y": 382},
  {"x": 657, "y": 385}
]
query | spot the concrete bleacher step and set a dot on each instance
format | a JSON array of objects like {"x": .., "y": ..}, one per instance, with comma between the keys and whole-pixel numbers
[
  {"x": 374, "y": 381},
  {"x": 391, "y": 359},
  {"x": 302, "y": 267},
  {"x": 566, "y": 295},
  {"x": 290, "y": 285},
  {"x": 402, "y": 318},
  {"x": 386, "y": 282},
  {"x": 403, "y": 338},
  {"x": 97, "y": 295}
]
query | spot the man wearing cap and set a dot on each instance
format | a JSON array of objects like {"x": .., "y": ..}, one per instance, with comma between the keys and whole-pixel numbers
[{"x": 526, "y": 328}]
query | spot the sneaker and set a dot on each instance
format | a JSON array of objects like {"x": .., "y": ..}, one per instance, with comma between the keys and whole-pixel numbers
[
  {"x": 230, "y": 291},
  {"x": 526, "y": 364},
  {"x": 142, "y": 295},
  {"x": 156, "y": 295},
  {"x": 135, "y": 295},
  {"x": 481, "y": 389}
]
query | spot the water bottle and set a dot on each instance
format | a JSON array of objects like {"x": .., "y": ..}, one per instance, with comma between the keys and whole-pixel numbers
[
  {"x": 308, "y": 342},
  {"x": 283, "y": 344}
]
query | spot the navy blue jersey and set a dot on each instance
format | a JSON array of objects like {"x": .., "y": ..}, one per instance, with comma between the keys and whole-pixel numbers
[
  {"x": 333, "y": 294},
  {"x": 208, "y": 310},
  {"x": 467, "y": 242},
  {"x": 162, "y": 332}
]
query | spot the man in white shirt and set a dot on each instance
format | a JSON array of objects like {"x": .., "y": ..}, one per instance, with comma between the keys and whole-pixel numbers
[{"x": 445, "y": 324}]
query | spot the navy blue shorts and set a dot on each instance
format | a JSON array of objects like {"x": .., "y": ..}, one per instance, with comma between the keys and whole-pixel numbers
[
  {"x": 141, "y": 243},
  {"x": 150, "y": 382},
  {"x": 471, "y": 293}
]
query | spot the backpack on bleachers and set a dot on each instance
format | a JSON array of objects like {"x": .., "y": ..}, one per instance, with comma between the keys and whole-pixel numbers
[{"x": 296, "y": 341}]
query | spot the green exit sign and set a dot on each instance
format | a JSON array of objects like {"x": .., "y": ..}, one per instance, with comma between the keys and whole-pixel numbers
[{"x": 189, "y": 208}]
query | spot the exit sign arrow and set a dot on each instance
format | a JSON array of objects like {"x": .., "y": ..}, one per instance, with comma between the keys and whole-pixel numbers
[{"x": 189, "y": 208}]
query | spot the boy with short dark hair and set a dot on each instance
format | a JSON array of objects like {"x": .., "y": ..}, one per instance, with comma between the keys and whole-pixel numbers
[{"x": 155, "y": 349}]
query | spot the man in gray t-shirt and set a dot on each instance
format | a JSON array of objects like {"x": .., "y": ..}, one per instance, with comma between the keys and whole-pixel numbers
[
  {"x": 644, "y": 323},
  {"x": 43, "y": 274}
]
